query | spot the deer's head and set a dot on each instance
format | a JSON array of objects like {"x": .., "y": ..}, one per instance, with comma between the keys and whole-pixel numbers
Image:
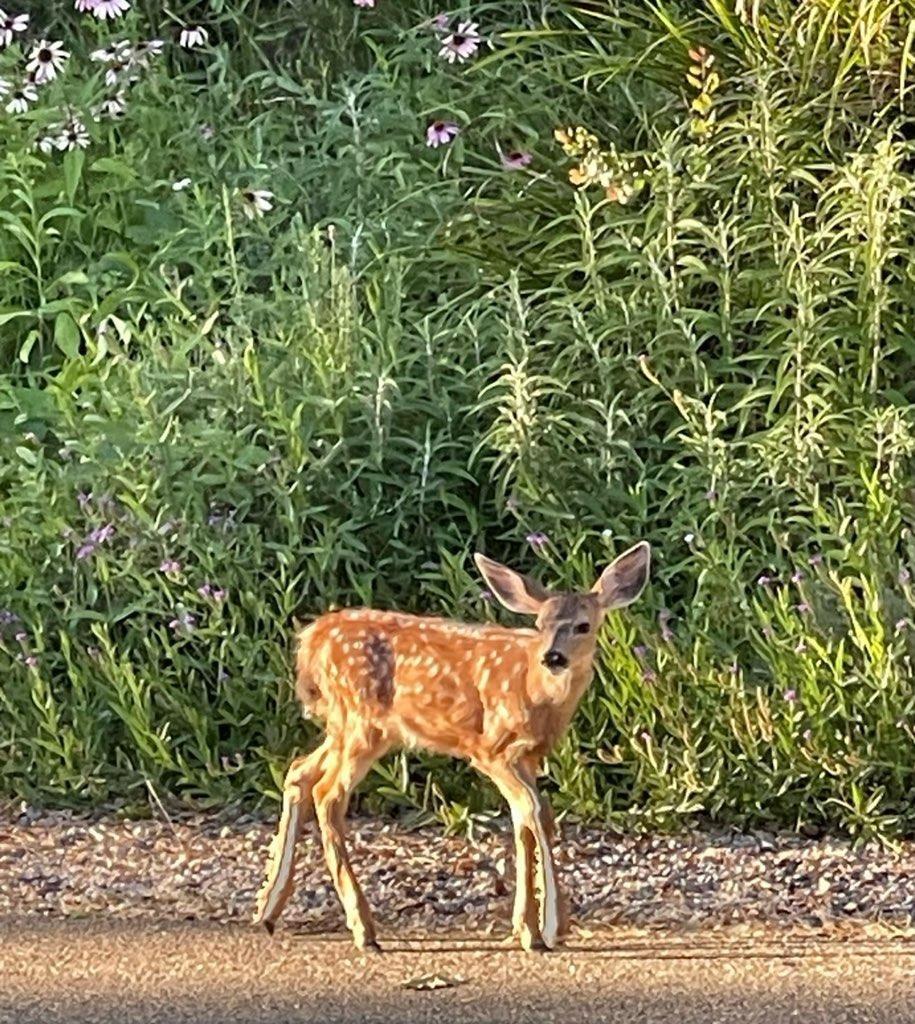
[{"x": 568, "y": 623}]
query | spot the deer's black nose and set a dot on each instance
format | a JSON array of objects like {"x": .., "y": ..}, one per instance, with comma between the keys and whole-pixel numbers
[{"x": 555, "y": 659}]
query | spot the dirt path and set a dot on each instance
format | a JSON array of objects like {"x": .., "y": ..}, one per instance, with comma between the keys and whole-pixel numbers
[{"x": 57, "y": 971}]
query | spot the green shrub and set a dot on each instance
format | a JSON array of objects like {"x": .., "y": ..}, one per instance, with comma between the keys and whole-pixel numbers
[{"x": 703, "y": 338}]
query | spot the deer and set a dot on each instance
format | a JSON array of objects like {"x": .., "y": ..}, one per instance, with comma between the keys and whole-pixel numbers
[{"x": 498, "y": 697}]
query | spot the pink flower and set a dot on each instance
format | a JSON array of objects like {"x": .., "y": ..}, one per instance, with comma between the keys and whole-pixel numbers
[
  {"x": 516, "y": 160},
  {"x": 790, "y": 696},
  {"x": 440, "y": 133},
  {"x": 103, "y": 9},
  {"x": 363, "y": 3},
  {"x": 440, "y": 22},
  {"x": 461, "y": 44}
]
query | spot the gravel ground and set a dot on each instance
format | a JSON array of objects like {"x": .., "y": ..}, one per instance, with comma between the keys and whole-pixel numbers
[{"x": 198, "y": 867}]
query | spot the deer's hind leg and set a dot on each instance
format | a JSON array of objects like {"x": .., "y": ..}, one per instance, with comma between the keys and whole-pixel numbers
[
  {"x": 298, "y": 811},
  {"x": 348, "y": 764}
]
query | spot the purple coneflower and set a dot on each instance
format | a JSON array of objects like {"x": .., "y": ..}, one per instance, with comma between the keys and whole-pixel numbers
[
  {"x": 20, "y": 98},
  {"x": 103, "y": 9},
  {"x": 516, "y": 160},
  {"x": 440, "y": 133},
  {"x": 10, "y": 24},
  {"x": 193, "y": 36},
  {"x": 46, "y": 60},
  {"x": 461, "y": 44},
  {"x": 73, "y": 136},
  {"x": 256, "y": 202}
]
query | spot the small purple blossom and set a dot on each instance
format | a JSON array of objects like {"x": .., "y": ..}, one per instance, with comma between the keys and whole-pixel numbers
[
  {"x": 93, "y": 651},
  {"x": 31, "y": 661},
  {"x": 648, "y": 675},
  {"x": 84, "y": 551},
  {"x": 537, "y": 540},
  {"x": 904, "y": 576},
  {"x": 645, "y": 737},
  {"x": 169, "y": 566},
  {"x": 640, "y": 651},
  {"x": 790, "y": 696},
  {"x": 440, "y": 22},
  {"x": 806, "y": 734},
  {"x": 764, "y": 580},
  {"x": 461, "y": 44},
  {"x": 183, "y": 623},
  {"x": 711, "y": 495},
  {"x": 803, "y": 607},
  {"x": 100, "y": 534},
  {"x": 485, "y": 595},
  {"x": 768, "y": 632},
  {"x": 516, "y": 160},
  {"x": 815, "y": 559},
  {"x": 215, "y": 593},
  {"x": 798, "y": 577},
  {"x": 440, "y": 133},
  {"x": 901, "y": 625},
  {"x": 7, "y": 617}
]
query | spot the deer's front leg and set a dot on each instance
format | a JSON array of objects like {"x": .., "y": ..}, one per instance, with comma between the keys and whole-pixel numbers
[{"x": 536, "y": 872}]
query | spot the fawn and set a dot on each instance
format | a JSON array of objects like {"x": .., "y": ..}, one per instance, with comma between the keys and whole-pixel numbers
[{"x": 498, "y": 697}]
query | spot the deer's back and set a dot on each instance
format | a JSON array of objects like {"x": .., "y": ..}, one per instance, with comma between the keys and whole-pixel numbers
[{"x": 449, "y": 686}]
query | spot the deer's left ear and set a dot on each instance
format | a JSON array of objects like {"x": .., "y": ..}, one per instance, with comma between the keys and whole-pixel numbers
[{"x": 625, "y": 578}]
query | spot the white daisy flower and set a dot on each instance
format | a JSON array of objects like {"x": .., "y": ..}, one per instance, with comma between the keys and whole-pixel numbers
[
  {"x": 256, "y": 202},
  {"x": 193, "y": 35},
  {"x": 21, "y": 97},
  {"x": 45, "y": 60},
  {"x": 4, "y": 87},
  {"x": 461, "y": 44},
  {"x": 10, "y": 24},
  {"x": 181, "y": 184},
  {"x": 84, "y": 6},
  {"x": 48, "y": 143},
  {"x": 149, "y": 48},
  {"x": 103, "y": 9},
  {"x": 117, "y": 51},
  {"x": 73, "y": 136},
  {"x": 111, "y": 107}
]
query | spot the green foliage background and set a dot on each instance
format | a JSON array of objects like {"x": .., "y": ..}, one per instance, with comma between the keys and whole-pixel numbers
[{"x": 418, "y": 353}]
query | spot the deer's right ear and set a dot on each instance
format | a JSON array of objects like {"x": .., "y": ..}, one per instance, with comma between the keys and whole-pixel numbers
[{"x": 518, "y": 593}]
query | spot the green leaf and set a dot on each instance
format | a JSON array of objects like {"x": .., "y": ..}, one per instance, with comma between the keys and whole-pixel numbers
[
  {"x": 73, "y": 171},
  {"x": 66, "y": 335}
]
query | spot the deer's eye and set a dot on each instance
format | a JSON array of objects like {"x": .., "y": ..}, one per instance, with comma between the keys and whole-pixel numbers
[{"x": 583, "y": 627}]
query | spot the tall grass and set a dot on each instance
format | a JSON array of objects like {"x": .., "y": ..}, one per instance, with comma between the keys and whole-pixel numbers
[{"x": 418, "y": 353}]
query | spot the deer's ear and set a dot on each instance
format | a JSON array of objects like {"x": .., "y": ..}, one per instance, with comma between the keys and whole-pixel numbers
[
  {"x": 625, "y": 578},
  {"x": 518, "y": 593}
]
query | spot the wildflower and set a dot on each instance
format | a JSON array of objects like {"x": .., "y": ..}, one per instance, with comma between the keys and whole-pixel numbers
[
  {"x": 607, "y": 534},
  {"x": 183, "y": 623},
  {"x": 815, "y": 559},
  {"x": 640, "y": 651},
  {"x": 7, "y": 617},
  {"x": 84, "y": 6},
  {"x": 537, "y": 540},
  {"x": 904, "y": 576},
  {"x": 485, "y": 595},
  {"x": 121, "y": 50},
  {"x": 10, "y": 24},
  {"x": 4, "y": 87},
  {"x": 31, "y": 661},
  {"x": 440, "y": 23},
  {"x": 764, "y": 580},
  {"x": 440, "y": 133},
  {"x": 803, "y": 607},
  {"x": 194, "y": 35},
  {"x": 146, "y": 49},
  {"x": 648, "y": 676},
  {"x": 169, "y": 566},
  {"x": 216, "y": 593},
  {"x": 103, "y": 9},
  {"x": 48, "y": 143},
  {"x": 181, "y": 184},
  {"x": 806, "y": 734},
  {"x": 207, "y": 132},
  {"x": 768, "y": 632},
  {"x": 798, "y": 577},
  {"x": 363, "y": 3},
  {"x": 20, "y": 98},
  {"x": 74, "y": 135},
  {"x": 256, "y": 202},
  {"x": 111, "y": 107},
  {"x": 46, "y": 60},
  {"x": 20, "y": 636},
  {"x": 93, "y": 651},
  {"x": 516, "y": 160},
  {"x": 790, "y": 696},
  {"x": 462, "y": 44},
  {"x": 645, "y": 737},
  {"x": 689, "y": 537},
  {"x": 84, "y": 551},
  {"x": 734, "y": 668},
  {"x": 901, "y": 625},
  {"x": 711, "y": 495},
  {"x": 101, "y": 533}
]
